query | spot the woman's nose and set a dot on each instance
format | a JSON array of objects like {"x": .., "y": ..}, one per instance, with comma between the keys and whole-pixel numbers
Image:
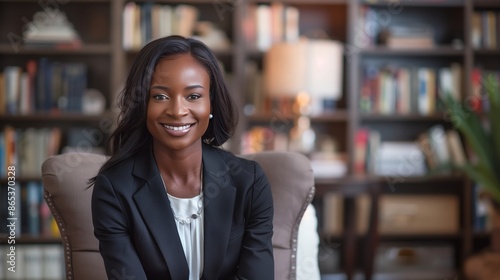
[{"x": 177, "y": 107}]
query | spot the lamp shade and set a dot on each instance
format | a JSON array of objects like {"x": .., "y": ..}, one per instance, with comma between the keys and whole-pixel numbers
[{"x": 311, "y": 66}]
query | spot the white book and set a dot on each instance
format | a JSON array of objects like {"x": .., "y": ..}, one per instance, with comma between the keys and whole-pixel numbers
[
  {"x": 439, "y": 144},
  {"x": 20, "y": 266},
  {"x": 33, "y": 262},
  {"x": 12, "y": 76},
  {"x": 165, "y": 20},
  {"x": 155, "y": 21},
  {"x": 128, "y": 21},
  {"x": 186, "y": 16},
  {"x": 291, "y": 24},
  {"x": 277, "y": 22},
  {"x": 445, "y": 83},
  {"x": 53, "y": 262},
  {"x": 263, "y": 22}
]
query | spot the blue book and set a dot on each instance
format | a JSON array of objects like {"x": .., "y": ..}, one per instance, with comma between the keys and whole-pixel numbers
[{"x": 33, "y": 199}]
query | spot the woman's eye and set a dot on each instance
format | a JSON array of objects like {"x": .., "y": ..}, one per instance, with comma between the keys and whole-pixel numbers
[
  {"x": 193, "y": 96},
  {"x": 160, "y": 97}
]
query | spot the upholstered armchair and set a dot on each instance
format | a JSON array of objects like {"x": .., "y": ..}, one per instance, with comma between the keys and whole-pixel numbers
[{"x": 65, "y": 180}]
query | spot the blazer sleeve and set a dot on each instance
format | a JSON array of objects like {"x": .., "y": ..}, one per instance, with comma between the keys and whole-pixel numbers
[
  {"x": 256, "y": 256},
  {"x": 111, "y": 229}
]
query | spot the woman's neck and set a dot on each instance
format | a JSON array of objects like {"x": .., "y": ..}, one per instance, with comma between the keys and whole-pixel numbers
[{"x": 180, "y": 170}]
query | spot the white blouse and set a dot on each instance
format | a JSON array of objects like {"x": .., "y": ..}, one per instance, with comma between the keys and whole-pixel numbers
[{"x": 190, "y": 232}]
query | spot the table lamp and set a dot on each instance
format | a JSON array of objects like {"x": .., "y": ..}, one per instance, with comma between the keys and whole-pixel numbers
[
  {"x": 309, "y": 72},
  {"x": 306, "y": 67}
]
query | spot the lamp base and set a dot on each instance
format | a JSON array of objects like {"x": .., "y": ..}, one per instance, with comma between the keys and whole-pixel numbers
[{"x": 322, "y": 105}]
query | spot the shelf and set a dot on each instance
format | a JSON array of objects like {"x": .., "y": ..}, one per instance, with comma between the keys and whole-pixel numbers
[
  {"x": 85, "y": 49},
  {"x": 486, "y": 3},
  {"x": 487, "y": 51},
  {"x": 181, "y": 2},
  {"x": 330, "y": 184},
  {"x": 28, "y": 239},
  {"x": 301, "y": 2},
  {"x": 482, "y": 235},
  {"x": 419, "y": 237},
  {"x": 415, "y": 3},
  {"x": 61, "y": 117},
  {"x": 438, "y": 117},
  {"x": 354, "y": 184},
  {"x": 436, "y": 51},
  {"x": 397, "y": 275},
  {"x": 72, "y": 1},
  {"x": 219, "y": 53},
  {"x": 338, "y": 116},
  {"x": 22, "y": 179}
]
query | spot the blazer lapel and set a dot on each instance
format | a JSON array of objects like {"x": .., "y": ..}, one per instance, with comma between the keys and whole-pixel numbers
[
  {"x": 152, "y": 201},
  {"x": 218, "y": 194}
]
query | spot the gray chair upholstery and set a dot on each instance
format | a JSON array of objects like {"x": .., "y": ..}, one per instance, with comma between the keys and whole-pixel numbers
[{"x": 65, "y": 179}]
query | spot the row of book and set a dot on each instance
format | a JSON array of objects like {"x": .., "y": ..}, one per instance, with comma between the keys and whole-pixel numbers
[
  {"x": 367, "y": 27},
  {"x": 403, "y": 90},
  {"x": 144, "y": 22},
  {"x": 33, "y": 215},
  {"x": 485, "y": 28},
  {"x": 432, "y": 149},
  {"x": 326, "y": 160},
  {"x": 478, "y": 101},
  {"x": 264, "y": 25},
  {"x": 27, "y": 148},
  {"x": 33, "y": 262},
  {"x": 43, "y": 86}
]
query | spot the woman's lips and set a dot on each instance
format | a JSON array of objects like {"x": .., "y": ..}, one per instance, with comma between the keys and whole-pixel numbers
[{"x": 177, "y": 130}]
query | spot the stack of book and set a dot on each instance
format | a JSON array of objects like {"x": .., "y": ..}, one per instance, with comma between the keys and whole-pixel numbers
[
  {"x": 401, "y": 36},
  {"x": 146, "y": 22},
  {"x": 45, "y": 86}
]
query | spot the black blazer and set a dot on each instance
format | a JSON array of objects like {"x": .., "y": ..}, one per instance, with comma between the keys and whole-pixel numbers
[{"x": 138, "y": 236}]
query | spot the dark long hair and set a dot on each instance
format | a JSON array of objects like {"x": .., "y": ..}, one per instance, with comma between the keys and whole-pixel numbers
[{"x": 131, "y": 134}]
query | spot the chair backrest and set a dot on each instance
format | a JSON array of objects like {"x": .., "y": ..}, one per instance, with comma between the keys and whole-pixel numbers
[
  {"x": 292, "y": 184},
  {"x": 65, "y": 179}
]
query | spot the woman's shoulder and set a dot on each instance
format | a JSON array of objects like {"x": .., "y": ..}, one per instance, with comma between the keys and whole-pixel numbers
[
  {"x": 240, "y": 165},
  {"x": 120, "y": 169}
]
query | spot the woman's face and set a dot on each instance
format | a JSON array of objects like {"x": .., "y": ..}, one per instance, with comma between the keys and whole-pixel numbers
[{"x": 178, "y": 103}]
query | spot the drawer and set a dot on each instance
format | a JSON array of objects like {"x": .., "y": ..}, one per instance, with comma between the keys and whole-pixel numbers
[{"x": 412, "y": 214}]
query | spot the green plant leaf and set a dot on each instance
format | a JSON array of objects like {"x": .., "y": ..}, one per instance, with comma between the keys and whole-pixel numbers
[
  {"x": 491, "y": 84},
  {"x": 469, "y": 124},
  {"x": 484, "y": 177}
]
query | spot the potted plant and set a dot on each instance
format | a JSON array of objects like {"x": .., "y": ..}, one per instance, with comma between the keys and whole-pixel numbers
[
  {"x": 481, "y": 131},
  {"x": 482, "y": 137}
]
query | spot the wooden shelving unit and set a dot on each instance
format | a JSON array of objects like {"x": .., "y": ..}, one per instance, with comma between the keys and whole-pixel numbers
[{"x": 99, "y": 23}]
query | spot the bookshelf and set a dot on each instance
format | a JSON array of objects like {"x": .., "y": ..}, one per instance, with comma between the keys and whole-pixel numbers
[{"x": 100, "y": 26}]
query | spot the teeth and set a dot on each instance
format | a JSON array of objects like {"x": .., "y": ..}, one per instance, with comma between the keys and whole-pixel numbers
[{"x": 184, "y": 127}]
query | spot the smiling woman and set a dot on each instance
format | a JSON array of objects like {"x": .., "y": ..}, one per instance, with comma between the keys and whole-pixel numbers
[
  {"x": 170, "y": 203},
  {"x": 179, "y": 103}
]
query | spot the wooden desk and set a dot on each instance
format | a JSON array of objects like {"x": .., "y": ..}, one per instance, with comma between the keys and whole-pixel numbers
[{"x": 351, "y": 187}]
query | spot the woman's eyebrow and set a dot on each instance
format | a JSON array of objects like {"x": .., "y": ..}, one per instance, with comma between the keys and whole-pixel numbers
[{"x": 160, "y": 87}]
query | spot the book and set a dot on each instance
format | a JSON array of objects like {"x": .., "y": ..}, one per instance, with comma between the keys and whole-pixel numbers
[
  {"x": 437, "y": 136},
  {"x": 53, "y": 262},
  {"x": 456, "y": 150},
  {"x": 333, "y": 206},
  {"x": 33, "y": 262}
]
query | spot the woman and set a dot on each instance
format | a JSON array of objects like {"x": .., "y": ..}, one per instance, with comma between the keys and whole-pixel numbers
[{"x": 170, "y": 204}]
